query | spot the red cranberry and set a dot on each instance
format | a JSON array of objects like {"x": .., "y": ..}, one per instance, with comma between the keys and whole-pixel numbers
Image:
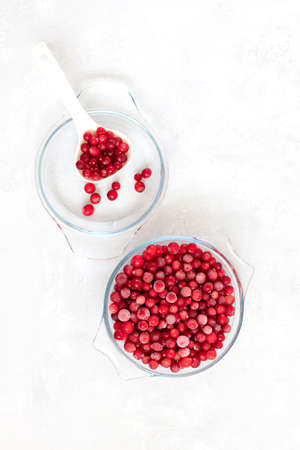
[
  {"x": 137, "y": 261},
  {"x": 95, "y": 198},
  {"x": 140, "y": 300},
  {"x": 116, "y": 185},
  {"x": 87, "y": 173},
  {"x": 226, "y": 281},
  {"x": 211, "y": 338},
  {"x": 228, "y": 290},
  {"x": 112, "y": 195},
  {"x": 222, "y": 319},
  {"x": 80, "y": 165},
  {"x": 143, "y": 325},
  {"x": 147, "y": 277},
  {"x": 153, "y": 364},
  {"x": 129, "y": 347},
  {"x": 113, "y": 308},
  {"x": 180, "y": 275},
  {"x": 196, "y": 295},
  {"x": 93, "y": 140},
  {"x": 153, "y": 321},
  {"x": 87, "y": 136},
  {"x": 211, "y": 354},
  {"x": 212, "y": 275},
  {"x": 119, "y": 335},
  {"x": 218, "y": 286},
  {"x": 159, "y": 286},
  {"x": 175, "y": 368},
  {"x": 194, "y": 306},
  {"x": 88, "y": 210},
  {"x": 96, "y": 176},
  {"x": 207, "y": 329},
  {"x": 138, "y": 177},
  {"x": 146, "y": 173},
  {"x": 84, "y": 147},
  {"x": 229, "y": 299},
  {"x": 173, "y": 248},
  {"x": 115, "y": 297},
  {"x": 227, "y": 328},
  {"x": 211, "y": 311},
  {"x": 163, "y": 309},
  {"x": 185, "y": 362},
  {"x": 186, "y": 291},
  {"x": 214, "y": 295},
  {"x": 192, "y": 324},
  {"x": 144, "y": 337},
  {"x": 200, "y": 277},
  {"x": 123, "y": 147},
  {"x": 160, "y": 275},
  {"x": 138, "y": 272},
  {"x": 89, "y": 188},
  {"x": 166, "y": 362},
  {"x": 100, "y": 130},
  {"x": 121, "y": 279},
  {"x": 174, "y": 333},
  {"x": 143, "y": 313},
  {"x": 125, "y": 292},
  {"x": 182, "y": 341},
  {"x": 171, "y": 297},
  {"x": 94, "y": 151},
  {"x": 139, "y": 186},
  {"x": 134, "y": 306},
  {"x": 183, "y": 352},
  {"x": 207, "y": 287},
  {"x": 188, "y": 258},
  {"x": 200, "y": 337},
  {"x": 170, "y": 319}
]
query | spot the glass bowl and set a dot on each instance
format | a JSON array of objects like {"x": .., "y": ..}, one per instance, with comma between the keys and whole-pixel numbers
[
  {"x": 106, "y": 233},
  {"x": 235, "y": 321}
]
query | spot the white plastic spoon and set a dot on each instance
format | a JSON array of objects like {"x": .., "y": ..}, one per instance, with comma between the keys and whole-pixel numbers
[{"x": 82, "y": 121}]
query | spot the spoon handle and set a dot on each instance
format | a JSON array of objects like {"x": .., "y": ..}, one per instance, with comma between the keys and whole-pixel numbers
[{"x": 61, "y": 86}]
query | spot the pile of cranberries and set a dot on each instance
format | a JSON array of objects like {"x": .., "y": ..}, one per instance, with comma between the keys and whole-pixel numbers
[
  {"x": 102, "y": 154},
  {"x": 171, "y": 306}
]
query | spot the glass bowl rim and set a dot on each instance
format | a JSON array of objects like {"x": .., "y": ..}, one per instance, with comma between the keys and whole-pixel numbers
[
  {"x": 52, "y": 211},
  {"x": 155, "y": 241}
]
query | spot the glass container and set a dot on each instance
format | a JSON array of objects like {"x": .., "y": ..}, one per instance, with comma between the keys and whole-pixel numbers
[{"x": 109, "y": 230}]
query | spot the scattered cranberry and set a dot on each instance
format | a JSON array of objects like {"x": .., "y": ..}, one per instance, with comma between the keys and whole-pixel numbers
[
  {"x": 88, "y": 210},
  {"x": 95, "y": 198},
  {"x": 112, "y": 195},
  {"x": 139, "y": 186},
  {"x": 146, "y": 173},
  {"x": 138, "y": 177},
  {"x": 172, "y": 306},
  {"x": 89, "y": 188},
  {"x": 116, "y": 185}
]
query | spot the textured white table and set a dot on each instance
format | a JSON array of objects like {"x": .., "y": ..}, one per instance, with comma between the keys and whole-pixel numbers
[{"x": 221, "y": 81}]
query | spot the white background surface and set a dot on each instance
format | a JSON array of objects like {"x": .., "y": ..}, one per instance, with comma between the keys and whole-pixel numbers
[{"x": 221, "y": 82}]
